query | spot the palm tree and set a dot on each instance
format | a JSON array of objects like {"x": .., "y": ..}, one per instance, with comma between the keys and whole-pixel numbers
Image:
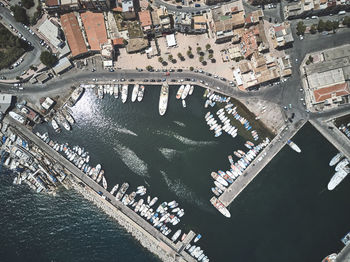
[
  {"x": 201, "y": 59},
  {"x": 179, "y": 55},
  {"x": 199, "y": 49},
  {"x": 170, "y": 57},
  {"x": 208, "y": 46},
  {"x": 160, "y": 59}
]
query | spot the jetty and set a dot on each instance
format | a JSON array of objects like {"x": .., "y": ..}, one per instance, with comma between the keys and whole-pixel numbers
[
  {"x": 145, "y": 233},
  {"x": 265, "y": 156}
]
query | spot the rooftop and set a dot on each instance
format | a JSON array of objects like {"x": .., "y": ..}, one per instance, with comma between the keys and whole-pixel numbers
[
  {"x": 145, "y": 18},
  {"x": 73, "y": 34},
  {"x": 51, "y": 32},
  {"x": 323, "y": 79},
  {"x": 5, "y": 102},
  {"x": 95, "y": 29},
  {"x": 325, "y": 93}
]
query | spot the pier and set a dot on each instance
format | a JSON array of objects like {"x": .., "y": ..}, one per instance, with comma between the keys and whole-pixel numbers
[
  {"x": 266, "y": 155},
  {"x": 148, "y": 236}
]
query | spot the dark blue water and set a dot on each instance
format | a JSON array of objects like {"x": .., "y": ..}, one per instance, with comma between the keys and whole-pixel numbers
[{"x": 285, "y": 214}]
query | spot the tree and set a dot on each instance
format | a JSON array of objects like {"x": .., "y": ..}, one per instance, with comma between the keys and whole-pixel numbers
[
  {"x": 329, "y": 25},
  {"x": 27, "y": 3},
  {"x": 48, "y": 58},
  {"x": 321, "y": 26},
  {"x": 211, "y": 51},
  {"x": 335, "y": 25},
  {"x": 160, "y": 59},
  {"x": 301, "y": 28},
  {"x": 20, "y": 14},
  {"x": 191, "y": 68},
  {"x": 179, "y": 55},
  {"x": 204, "y": 63},
  {"x": 208, "y": 46},
  {"x": 201, "y": 59},
  {"x": 170, "y": 57},
  {"x": 311, "y": 59},
  {"x": 149, "y": 68},
  {"x": 313, "y": 29},
  {"x": 189, "y": 53},
  {"x": 346, "y": 21},
  {"x": 210, "y": 56},
  {"x": 199, "y": 49},
  {"x": 213, "y": 60}
]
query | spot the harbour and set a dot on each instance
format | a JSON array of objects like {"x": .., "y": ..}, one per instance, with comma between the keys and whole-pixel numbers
[{"x": 99, "y": 197}]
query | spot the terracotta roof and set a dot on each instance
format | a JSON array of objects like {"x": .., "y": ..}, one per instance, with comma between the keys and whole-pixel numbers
[
  {"x": 73, "y": 34},
  {"x": 145, "y": 18},
  {"x": 95, "y": 29},
  {"x": 51, "y": 2},
  {"x": 118, "y": 41},
  {"x": 325, "y": 93},
  {"x": 117, "y": 9}
]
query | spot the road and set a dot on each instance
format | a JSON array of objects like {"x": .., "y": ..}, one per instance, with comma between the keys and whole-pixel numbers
[{"x": 32, "y": 57}]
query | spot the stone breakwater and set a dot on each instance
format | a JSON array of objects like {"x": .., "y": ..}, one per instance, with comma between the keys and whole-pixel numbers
[{"x": 144, "y": 238}]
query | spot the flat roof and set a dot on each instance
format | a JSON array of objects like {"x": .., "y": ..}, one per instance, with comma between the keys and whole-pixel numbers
[
  {"x": 335, "y": 53},
  {"x": 5, "y": 102},
  {"x": 51, "y": 32},
  {"x": 73, "y": 34},
  {"x": 95, "y": 29},
  {"x": 171, "y": 41},
  {"x": 325, "y": 93},
  {"x": 322, "y": 79},
  {"x": 62, "y": 65}
]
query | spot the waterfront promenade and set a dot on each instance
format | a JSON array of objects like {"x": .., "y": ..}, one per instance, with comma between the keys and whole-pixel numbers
[
  {"x": 148, "y": 236},
  {"x": 260, "y": 162}
]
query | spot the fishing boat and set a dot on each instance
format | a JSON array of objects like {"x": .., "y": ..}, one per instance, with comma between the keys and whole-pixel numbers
[
  {"x": 141, "y": 93},
  {"x": 183, "y": 103},
  {"x": 336, "y": 159},
  {"x": 294, "y": 146},
  {"x": 180, "y": 91},
  {"x": 116, "y": 91},
  {"x": 163, "y": 99},
  {"x": 218, "y": 178},
  {"x": 125, "y": 93},
  {"x": 122, "y": 190},
  {"x": 135, "y": 92},
  {"x": 220, "y": 207},
  {"x": 185, "y": 92}
]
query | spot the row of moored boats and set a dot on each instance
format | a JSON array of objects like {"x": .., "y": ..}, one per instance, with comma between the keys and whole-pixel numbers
[
  {"x": 183, "y": 92},
  {"x": 117, "y": 90},
  {"x": 341, "y": 170}
]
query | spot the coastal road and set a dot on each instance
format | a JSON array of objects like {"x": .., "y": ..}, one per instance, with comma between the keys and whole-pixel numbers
[{"x": 32, "y": 57}]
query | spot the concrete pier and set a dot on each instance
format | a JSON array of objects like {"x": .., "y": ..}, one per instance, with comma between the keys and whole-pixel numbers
[
  {"x": 260, "y": 162},
  {"x": 148, "y": 236}
]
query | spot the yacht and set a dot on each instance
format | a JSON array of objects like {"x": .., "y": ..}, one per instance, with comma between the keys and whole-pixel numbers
[
  {"x": 116, "y": 91},
  {"x": 180, "y": 91},
  {"x": 135, "y": 92},
  {"x": 141, "y": 93},
  {"x": 220, "y": 207},
  {"x": 124, "y": 93},
  {"x": 163, "y": 99},
  {"x": 336, "y": 159},
  {"x": 336, "y": 179}
]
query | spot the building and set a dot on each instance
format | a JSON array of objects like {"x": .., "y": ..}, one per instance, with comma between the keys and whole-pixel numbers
[
  {"x": 171, "y": 40},
  {"x": 48, "y": 103},
  {"x": 95, "y": 29},
  {"x": 161, "y": 21},
  {"x": 5, "y": 102},
  {"x": 225, "y": 19},
  {"x": 136, "y": 45},
  {"x": 62, "y": 66},
  {"x": 254, "y": 17},
  {"x": 199, "y": 24},
  {"x": 327, "y": 78},
  {"x": 282, "y": 35},
  {"x": 128, "y": 9},
  {"x": 73, "y": 35},
  {"x": 63, "y": 6},
  {"x": 253, "y": 40},
  {"x": 42, "y": 78},
  {"x": 145, "y": 20},
  {"x": 214, "y": 2},
  {"x": 183, "y": 22}
]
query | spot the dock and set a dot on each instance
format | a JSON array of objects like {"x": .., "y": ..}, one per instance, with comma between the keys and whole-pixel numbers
[
  {"x": 265, "y": 156},
  {"x": 148, "y": 236}
]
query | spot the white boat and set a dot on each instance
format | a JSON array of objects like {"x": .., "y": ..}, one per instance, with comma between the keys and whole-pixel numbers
[
  {"x": 176, "y": 235},
  {"x": 135, "y": 92},
  {"x": 185, "y": 92},
  {"x": 341, "y": 164},
  {"x": 68, "y": 117},
  {"x": 114, "y": 189},
  {"x": 294, "y": 146},
  {"x": 191, "y": 90},
  {"x": 163, "y": 99},
  {"x": 17, "y": 117},
  {"x": 180, "y": 91},
  {"x": 55, "y": 125},
  {"x": 104, "y": 182},
  {"x": 183, "y": 103},
  {"x": 218, "y": 178},
  {"x": 140, "y": 93},
  {"x": 199, "y": 236},
  {"x": 220, "y": 207},
  {"x": 116, "y": 91},
  {"x": 336, "y": 179},
  {"x": 124, "y": 93},
  {"x": 153, "y": 201},
  {"x": 336, "y": 159}
]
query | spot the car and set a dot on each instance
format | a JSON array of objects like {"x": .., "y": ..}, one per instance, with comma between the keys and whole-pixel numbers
[
  {"x": 301, "y": 99},
  {"x": 208, "y": 74},
  {"x": 94, "y": 79},
  {"x": 314, "y": 17},
  {"x": 11, "y": 67},
  {"x": 218, "y": 88},
  {"x": 163, "y": 79},
  {"x": 196, "y": 71},
  {"x": 152, "y": 80},
  {"x": 179, "y": 70},
  {"x": 173, "y": 80},
  {"x": 201, "y": 81},
  {"x": 131, "y": 80},
  {"x": 231, "y": 82},
  {"x": 216, "y": 76},
  {"x": 164, "y": 70},
  {"x": 93, "y": 70},
  {"x": 122, "y": 80},
  {"x": 146, "y": 80},
  {"x": 206, "y": 84},
  {"x": 187, "y": 79},
  {"x": 181, "y": 80},
  {"x": 2, "y": 4},
  {"x": 111, "y": 70},
  {"x": 159, "y": 80},
  {"x": 193, "y": 80},
  {"x": 158, "y": 70},
  {"x": 2, "y": 77},
  {"x": 201, "y": 71},
  {"x": 171, "y": 70},
  {"x": 21, "y": 60},
  {"x": 301, "y": 37},
  {"x": 223, "y": 79},
  {"x": 140, "y": 69},
  {"x": 11, "y": 13},
  {"x": 179, "y": 7}
]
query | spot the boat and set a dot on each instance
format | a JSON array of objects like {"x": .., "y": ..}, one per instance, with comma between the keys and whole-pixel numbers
[
  {"x": 176, "y": 235},
  {"x": 183, "y": 103},
  {"x": 124, "y": 93},
  {"x": 341, "y": 164},
  {"x": 141, "y": 93},
  {"x": 153, "y": 201},
  {"x": 180, "y": 91},
  {"x": 17, "y": 117},
  {"x": 215, "y": 191},
  {"x": 336, "y": 179},
  {"x": 346, "y": 239},
  {"x": 230, "y": 159},
  {"x": 100, "y": 176},
  {"x": 116, "y": 91},
  {"x": 122, "y": 190},
  {"x": 100, "y": 93},
  {"x": 183, "y": 236},
  {"x": 220, "y": 207},
  {"x": 68, "y": 116},
  {"x": 163, "y": 99},
  {"x": 199, "y": 236},
  {"x": 336, "y": 159},
  {"x": 191, "y": 90},
  {"x": 114, "y": 189},
  {"x": 55, "y": 125},
  {"x": 185, "y": 92},
  {"x": 104, "y": 183},
  {"x": 135, "y": 92},
  {"x": 219, "y": 185},
  {"x": 294, "y": 146},
  {"x": 218, "y": 178},
  {"x": 330, "y": 258}
]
